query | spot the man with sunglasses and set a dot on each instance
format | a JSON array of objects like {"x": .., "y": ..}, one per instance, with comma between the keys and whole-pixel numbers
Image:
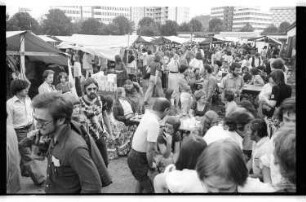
[
  {"x": 95, "y": 115},
  {"x": 21, "y": 113},
  {"x": 70, "y": 168}
]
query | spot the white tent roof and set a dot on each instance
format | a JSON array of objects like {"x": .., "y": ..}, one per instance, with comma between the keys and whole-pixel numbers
[
  {"x": 46, "y": 38},
  {"x": 106, "y": 46},
  {"x": 177, "y": 39}
]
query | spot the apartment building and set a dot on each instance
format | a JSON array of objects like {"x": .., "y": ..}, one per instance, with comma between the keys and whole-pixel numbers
[
  {"x": 283, "y": 14},
  {"x": 224, "y": 13},
  {"x": 258, "y": 19}
]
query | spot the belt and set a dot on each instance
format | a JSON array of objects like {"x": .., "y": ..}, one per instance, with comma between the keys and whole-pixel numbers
[{"x": 173, "y": 72}]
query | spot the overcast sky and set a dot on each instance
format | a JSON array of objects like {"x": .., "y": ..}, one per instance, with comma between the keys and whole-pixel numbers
[{"x": 197, "y": 7}]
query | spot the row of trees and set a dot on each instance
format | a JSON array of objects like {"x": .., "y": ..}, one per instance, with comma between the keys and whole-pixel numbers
[
  {"x": 56, "y": 23},
  {"x": 217, "y": 25}
]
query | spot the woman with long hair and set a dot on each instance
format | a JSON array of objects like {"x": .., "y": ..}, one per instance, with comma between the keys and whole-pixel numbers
[{"x": 121, "y": 71}]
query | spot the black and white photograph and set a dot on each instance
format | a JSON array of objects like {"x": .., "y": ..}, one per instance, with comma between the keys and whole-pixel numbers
[{"x": 112, "y": 97}]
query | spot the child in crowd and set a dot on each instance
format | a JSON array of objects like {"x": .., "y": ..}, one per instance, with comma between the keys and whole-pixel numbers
[
  {"x": 161, "y": 159},
  {"x": 230, "y": 105}
]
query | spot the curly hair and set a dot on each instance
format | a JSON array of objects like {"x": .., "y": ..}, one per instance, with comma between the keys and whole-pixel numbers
[
  {"x": 288, "y": 105},
  {"x": 18, "y": 85}
]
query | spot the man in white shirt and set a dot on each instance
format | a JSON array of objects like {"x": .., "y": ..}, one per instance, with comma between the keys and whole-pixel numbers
[
  {"x": 20, "y": 111},
  {"x": 141, "y": 157}
]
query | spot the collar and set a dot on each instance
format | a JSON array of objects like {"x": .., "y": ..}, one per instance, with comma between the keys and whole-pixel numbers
[
  {"x": 154, "y": 114},
  {"x": 231, "y": 76},
  {"x": 62, "y": 133},
  {"x": 15, "y": 98}
]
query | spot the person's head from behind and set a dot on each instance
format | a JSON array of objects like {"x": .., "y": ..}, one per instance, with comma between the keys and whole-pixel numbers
[
  {"x": 239, "y": 121},
  {"x": 51, "y": 111},
  {"x": 278, "y": 77},
  {"x": 285, "y": 152},
  {"x": 76, "y": 105},
  {"x": 62, "y": 77},
  {"x": 209, "y": 120},
  {"x": 19, "y": 87},
  {"x": 207, "y": 69},
  {"x": 48, "y": 76},
  {"x": 277, "y": 64},
  {"x": 90, "y": 88},
  {"x": 161, "y": 106},
  {"x": 108, "y": 103},
  {"x": 221, "y": 167},
  {"x": 183, "y": 69},
  {"x": 258, "y": 129},
  {"x": 229, "y": 95},
  {"x": 157, "y": 58},
  {"x": 254, "y": 71},
  {"x": 168, "y": 94},
  {"x": 286, "y": 112},
  {"x": 235, "y": 69},
  {"x": 246, "y": 104},
  {"x": 191, "y": 149}
]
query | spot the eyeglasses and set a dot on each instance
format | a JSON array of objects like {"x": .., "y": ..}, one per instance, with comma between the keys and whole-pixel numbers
[
  {"x": 42, "y": 123},
  {"x": 90, "y": 89}
]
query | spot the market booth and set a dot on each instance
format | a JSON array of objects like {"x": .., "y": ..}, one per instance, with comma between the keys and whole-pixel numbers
[{"x": 28, "y": 56}]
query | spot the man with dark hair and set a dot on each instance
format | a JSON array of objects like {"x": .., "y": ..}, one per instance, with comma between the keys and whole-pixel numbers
[
  {"x": 47, "y": 86},
  {"x": 21, "y": 113},
  {"x": 70, "y": 169},
  {"x": 233, "y": 81},
  {"x": 141, "y": 156},
  {"x": 97, "y": 119}
]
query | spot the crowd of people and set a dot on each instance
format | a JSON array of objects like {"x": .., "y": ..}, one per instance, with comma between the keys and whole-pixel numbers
[{"x": 178, "y": 114}]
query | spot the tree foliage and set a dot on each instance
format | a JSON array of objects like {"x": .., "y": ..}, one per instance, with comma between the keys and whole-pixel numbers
[
  {"x": 247, "y": 28},
  {"x": 283, "y": 27},
  {"x": 271, "y": 29},
  {"x": 122, "y": 25},
  {"x": 184, "y": 27},
  {"x": 195, "y": 25},
  {"x": 169, "y": 28},
  {"x": 22, "y": 21},
  {"x": 215, "y": 25},
  {"x": 91, "y": 26},
  {"x": 147, "y": 27},
  {"x": 57, "y": 23}
]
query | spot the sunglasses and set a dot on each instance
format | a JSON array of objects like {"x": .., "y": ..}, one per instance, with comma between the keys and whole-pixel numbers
[
  {"x": 90, "y": 89},
  {"x": 42, "y": 123}
]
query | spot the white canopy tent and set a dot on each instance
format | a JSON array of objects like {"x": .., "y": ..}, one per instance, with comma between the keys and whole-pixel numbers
[{"x": 106, "y": 46}]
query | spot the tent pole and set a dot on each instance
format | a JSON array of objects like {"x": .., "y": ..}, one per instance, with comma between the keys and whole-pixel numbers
[{"x": 22, "y": 56}]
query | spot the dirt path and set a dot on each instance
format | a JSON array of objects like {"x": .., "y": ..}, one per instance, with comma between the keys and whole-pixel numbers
[{"x": 123, "y": 181}]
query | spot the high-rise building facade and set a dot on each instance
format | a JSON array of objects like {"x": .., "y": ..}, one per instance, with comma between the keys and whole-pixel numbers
[
  {"x": 224, "y": 13},
  {"x": 258, "y": 19},
  {"x": 106, "y": 14},
  {"x": 283, "y": 14}
]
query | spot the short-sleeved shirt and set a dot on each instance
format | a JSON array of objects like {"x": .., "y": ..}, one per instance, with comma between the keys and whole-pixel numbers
[
  {"x": 147, "y": 131},
  {"x": 230, "y": 82},
  {"x": 280, "y": 93}
]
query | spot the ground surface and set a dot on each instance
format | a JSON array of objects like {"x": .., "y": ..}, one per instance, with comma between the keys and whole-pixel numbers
[{"x": 123, "y": 181}]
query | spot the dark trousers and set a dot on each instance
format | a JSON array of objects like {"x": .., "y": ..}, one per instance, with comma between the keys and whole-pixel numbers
[
  {"x": 27, "y": 163},
  {"x": 138, "y": 164},
  {"x": 101, "y": 144}
]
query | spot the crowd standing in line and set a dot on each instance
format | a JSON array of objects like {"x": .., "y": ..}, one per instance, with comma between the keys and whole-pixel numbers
[{"x": 179, "y": 114}]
